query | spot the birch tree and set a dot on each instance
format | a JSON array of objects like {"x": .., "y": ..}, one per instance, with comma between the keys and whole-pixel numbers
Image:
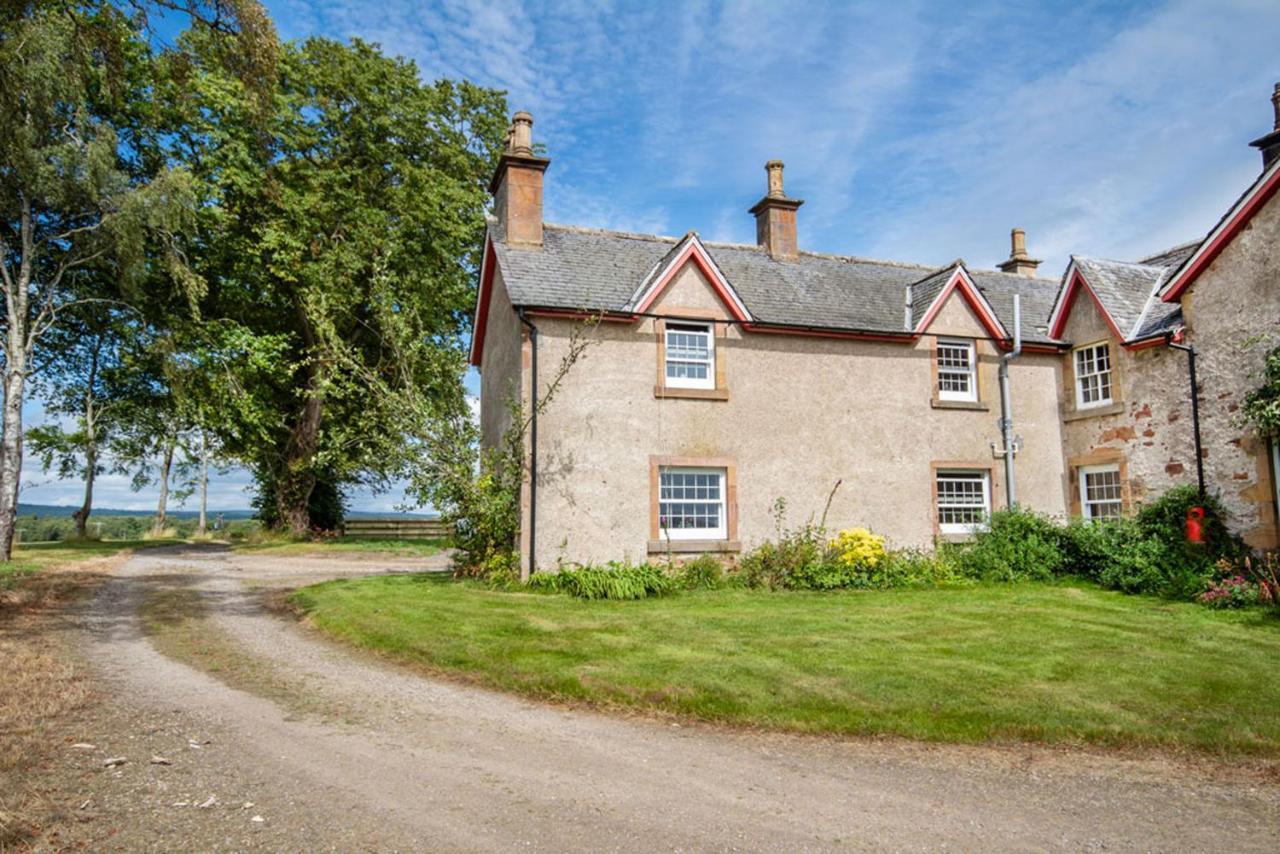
[{"x": 76, "y": 194}]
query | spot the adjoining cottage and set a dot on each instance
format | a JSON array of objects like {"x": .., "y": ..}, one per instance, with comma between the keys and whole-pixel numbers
[{"x": 728, "y": 380}]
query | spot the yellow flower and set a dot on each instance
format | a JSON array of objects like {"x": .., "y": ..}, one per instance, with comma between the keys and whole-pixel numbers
[{"x": 858, "y": 547}]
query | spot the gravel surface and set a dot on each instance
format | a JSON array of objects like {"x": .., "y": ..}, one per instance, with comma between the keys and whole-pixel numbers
[{"x": 425, "y": 764}]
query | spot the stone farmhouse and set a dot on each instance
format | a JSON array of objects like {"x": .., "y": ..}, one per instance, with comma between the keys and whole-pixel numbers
[{"x": 723, "y": 378}]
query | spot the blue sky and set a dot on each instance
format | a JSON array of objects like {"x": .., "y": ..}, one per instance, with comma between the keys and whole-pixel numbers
[{"x": 914, "y": 131}]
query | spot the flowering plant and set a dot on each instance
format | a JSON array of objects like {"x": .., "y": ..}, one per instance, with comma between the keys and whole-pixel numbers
[
  {"x": 858, "y": 547},
  {"x": 1234, "y": 591}
]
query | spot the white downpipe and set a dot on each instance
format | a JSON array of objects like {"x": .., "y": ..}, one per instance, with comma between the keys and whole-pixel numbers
[{"x": 1006, "y": 407}]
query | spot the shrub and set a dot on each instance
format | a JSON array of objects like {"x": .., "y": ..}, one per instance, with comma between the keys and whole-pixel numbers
[
  {"x": 858, "y": 548},
  {"x": 915, "y": 568},
  {"x": 1017, "y": 545},
  {"x": 612, "y": 581},
  {"x": 798, "y": 560},
  {"x": 704, "y": 572},
  {"x": 1165, "y": 519}
]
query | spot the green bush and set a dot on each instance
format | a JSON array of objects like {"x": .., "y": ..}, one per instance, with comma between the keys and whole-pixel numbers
[
  {"x": 1017, "y": 545},
  {"x": 915, "y": 568},
  {"x": 612, "y": 581},
  {"x": 798, "y": 560},
  {"x": 1165, "y": 519},
  {"x": 704, "y": 572}
]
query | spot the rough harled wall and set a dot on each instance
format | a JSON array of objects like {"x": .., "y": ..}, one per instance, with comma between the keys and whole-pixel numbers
[
  {"x": 1233, "y": 318},
  {"x": 802, "y": 412},
  {"x": 500, "y": 377}
]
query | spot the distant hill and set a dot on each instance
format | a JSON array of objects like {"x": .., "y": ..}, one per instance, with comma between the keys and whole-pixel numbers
[
  {"x": 59, "y": 510},
  {"x": 227, "y": 515}
]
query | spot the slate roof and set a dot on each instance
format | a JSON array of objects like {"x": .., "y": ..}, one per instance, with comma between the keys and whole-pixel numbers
[
  {"x": 596, "y": 270},
  {"x": 1129, "y": 291},
  {"x": 1172, "y": 258}
]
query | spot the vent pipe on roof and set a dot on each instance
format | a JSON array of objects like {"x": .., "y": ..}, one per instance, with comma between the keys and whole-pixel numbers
[
  {"x": 1269, "y": 145},
  {"x": 776, "y": 217}
]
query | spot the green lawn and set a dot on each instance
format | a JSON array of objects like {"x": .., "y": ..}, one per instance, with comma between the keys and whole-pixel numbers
[
  {"x": 1034, "y": 662},
  {"x": 279, "y": 544}
]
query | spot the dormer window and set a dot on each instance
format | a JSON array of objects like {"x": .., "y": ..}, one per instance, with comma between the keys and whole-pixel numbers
[
  {"x": 957, "y": 379},
  {"x": 690, "y": 355},
  {"x": 1093, "y": 376}
]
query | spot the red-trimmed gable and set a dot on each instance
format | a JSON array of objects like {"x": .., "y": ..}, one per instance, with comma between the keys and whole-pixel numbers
[
  {"x": 1254, "y": 199},
  {"x": 1062, "y": 312},
  {"x": 483, "y": 297},
  {"x": 693, "y": 253},
  {"x": 961, "y": 282}
]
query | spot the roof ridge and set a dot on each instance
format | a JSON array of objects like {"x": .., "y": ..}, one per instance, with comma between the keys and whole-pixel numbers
[
  {"x": 723, "y": 244},
  {"x": 1170, "y": 250},
  {"x": 1117, "y": 261}
]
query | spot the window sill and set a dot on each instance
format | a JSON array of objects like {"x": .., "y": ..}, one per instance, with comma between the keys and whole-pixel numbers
[
  {"x": 1094, "y": 412},
  {"x": 688, "y": 546},
  {"x": 972, "y": 405},
  {"x": 691, "y": 393}
]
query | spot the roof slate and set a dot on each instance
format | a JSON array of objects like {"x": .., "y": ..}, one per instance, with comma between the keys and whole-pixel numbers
[
  {"x": 1130, "y": 291},
  {"x": 592, "y": 270}
]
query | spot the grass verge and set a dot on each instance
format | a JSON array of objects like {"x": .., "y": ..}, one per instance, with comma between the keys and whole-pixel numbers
[
  {"x": 283, "y": 545},
  {"x": 1051, "y": 663},
  {"x": 42, "y": 683}
]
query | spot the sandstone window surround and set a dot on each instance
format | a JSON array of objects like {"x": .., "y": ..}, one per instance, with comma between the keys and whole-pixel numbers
[
  {"x": 1100, "y": 459},
  {"x": 693, "y": 505},
  {"x": 1101, "y": 491},
  {"x": 690, "y": 355}
]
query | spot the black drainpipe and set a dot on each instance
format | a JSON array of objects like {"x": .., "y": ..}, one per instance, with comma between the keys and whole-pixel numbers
[
  {"x": 533, "y": 438},
  {"x": 1190, "y": 350}
]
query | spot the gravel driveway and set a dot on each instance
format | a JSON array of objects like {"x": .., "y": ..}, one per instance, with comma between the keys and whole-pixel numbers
[{"x": 404, "y": 762}]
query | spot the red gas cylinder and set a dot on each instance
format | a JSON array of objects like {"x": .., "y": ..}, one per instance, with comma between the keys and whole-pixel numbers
[{"x": 1195, "y": 524}]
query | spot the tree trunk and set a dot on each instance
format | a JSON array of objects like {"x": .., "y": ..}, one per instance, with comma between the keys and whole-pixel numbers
[
  {"x": 11, "y": 453},
  {"x": 297, "y": 477},
  {"x": 81, "y": 516},
  {"x": 162, "y": 507},
  {"x": 202, "y": 526}
]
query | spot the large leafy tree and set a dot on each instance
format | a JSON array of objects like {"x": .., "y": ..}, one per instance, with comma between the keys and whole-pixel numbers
[{"x": 341, "y": 238}]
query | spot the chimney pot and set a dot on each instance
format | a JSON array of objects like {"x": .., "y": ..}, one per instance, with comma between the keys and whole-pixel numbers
[
  {"x": 1018, "y": 238},
  {"x": 776, "y": 217},
  {"x": 520, "y": 139},
  {"x": 517, "y": 186},
  {"x": 774, "y": 168},
  {"x": 1269, "y": 145},
  {"x": 1019, "y": 263}
]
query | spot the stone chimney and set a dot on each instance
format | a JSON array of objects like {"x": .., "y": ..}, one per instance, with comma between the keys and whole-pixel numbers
[
  {"x": 1019, "y": 261},
  {"x": 1269, "y": 145},
  {"x": 776, "y": 217},
  {"x": 517, "y": 186}
]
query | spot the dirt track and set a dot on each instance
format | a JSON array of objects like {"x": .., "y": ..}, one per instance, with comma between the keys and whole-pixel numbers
[{"x": 360, "y": 755}]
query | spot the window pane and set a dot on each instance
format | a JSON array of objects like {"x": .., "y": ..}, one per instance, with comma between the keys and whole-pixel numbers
[
  {"x": 1093, "y": 374},
  {"x": 690, "y": 502},
  {"x": 962, "y": 498}
]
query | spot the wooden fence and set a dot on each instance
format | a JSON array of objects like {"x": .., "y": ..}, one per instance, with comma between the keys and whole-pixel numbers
[{"x": 397, "y": 529}]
